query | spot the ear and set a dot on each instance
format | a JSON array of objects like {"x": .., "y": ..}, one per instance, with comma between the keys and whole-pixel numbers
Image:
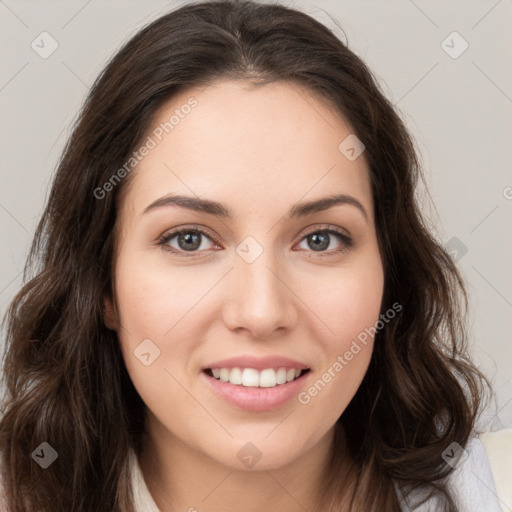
[{"x": 109, "y": 313}]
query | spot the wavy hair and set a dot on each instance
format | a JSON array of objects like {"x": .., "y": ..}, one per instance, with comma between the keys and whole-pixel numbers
[{"x": 64, "y": 375}]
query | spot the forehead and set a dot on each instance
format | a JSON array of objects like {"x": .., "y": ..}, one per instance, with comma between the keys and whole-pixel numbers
[{"x": 250, "y": 147}]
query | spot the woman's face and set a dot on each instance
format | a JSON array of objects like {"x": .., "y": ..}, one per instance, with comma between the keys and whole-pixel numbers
[{"x": 266, "y": 289}]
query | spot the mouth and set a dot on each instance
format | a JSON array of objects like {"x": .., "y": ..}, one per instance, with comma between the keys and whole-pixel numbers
[
  {"x": 253, "y": 378},
  {"x": 256, "y": 383},
  {"x": 255, "y": 390}
]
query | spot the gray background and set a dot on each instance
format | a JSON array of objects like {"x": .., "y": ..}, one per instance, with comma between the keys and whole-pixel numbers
[{"x": 458, "y": 109}]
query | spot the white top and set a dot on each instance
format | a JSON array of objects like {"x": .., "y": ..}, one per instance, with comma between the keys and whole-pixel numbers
[
  {"x": 471, "y": 483},
  {"x": 481, "y": 482}
]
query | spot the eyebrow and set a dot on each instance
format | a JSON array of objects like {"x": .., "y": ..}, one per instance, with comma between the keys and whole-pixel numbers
[{"x": 219, "y": 210}]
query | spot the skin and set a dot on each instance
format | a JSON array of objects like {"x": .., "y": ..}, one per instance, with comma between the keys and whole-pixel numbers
[{"x": 258, "y": 151}]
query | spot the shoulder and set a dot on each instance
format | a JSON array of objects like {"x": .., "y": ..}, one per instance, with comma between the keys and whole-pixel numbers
[
  {"x": 471, "y": 483},
  {"x": 143, "y": 501},
  {"x": 498, "y": 447},
  {"x": 2, "y": 480},
  {"x": 480, "y": 480},
  {"x": 3, "y": 502}
]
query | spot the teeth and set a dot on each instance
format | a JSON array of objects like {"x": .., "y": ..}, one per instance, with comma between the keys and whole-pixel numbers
[
  {"x": 236, "y": 376},
  {"x": 281, "y": 376},
  {"x": 250, "y": 377},
  {"x": 268, "y": 378}
]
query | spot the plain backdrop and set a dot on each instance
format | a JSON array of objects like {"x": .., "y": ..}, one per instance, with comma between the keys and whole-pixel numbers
[{"x": 447, "y": 67}]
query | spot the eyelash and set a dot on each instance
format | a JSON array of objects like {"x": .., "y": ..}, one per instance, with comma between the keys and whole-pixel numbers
[{"x": 346, "y": 241}]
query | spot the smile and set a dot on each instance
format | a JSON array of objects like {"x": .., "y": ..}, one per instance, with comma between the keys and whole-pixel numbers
[
  {"x": 250, "y": 377},
  {"x": 257, "y": 391}
]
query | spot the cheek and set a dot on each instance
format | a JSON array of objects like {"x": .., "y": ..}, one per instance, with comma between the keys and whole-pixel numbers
[
  {"x": 154, "y": 310},
  {"x": 155, "y": 300},
  {"x": 348, "y": 303},
  {"x": 346, "y": 300},
  {"x": 156, "y": 317}
]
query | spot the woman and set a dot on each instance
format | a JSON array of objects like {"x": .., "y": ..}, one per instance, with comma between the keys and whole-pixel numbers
[{"x": 232, "y": 299}]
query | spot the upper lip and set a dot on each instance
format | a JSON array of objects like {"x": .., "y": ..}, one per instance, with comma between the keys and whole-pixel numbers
[{"x": 258, "y": 363}]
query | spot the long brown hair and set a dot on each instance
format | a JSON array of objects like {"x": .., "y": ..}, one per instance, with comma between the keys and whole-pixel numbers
[{"x": 66, "y": 381}]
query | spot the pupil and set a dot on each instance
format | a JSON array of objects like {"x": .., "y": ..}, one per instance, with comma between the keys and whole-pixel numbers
[
  {"x": 189, "y": 237},
  {"x": 315, "y": 238}
]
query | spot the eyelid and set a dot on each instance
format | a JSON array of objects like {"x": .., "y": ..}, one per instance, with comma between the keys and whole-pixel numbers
[
  {"x": 172, "y": 233},
  {"x": 325, "y": 227},
  {"x": 332, "y": 229},
  {"x": 346, "y": 239}
]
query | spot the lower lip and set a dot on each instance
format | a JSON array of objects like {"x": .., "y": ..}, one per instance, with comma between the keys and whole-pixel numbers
[{"x": 254, "y": 398}]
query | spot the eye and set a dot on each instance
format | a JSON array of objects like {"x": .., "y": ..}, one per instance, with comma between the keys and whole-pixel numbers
[
  {"x": 188, "y": 240},
  {"x": 321, "y": 239}
]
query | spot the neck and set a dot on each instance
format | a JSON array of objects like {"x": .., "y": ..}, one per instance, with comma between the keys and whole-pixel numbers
[{"x": 181, "y": 478}]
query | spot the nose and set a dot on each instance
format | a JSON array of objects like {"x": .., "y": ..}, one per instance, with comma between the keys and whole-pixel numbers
[{"x": 260, "y": 300}]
